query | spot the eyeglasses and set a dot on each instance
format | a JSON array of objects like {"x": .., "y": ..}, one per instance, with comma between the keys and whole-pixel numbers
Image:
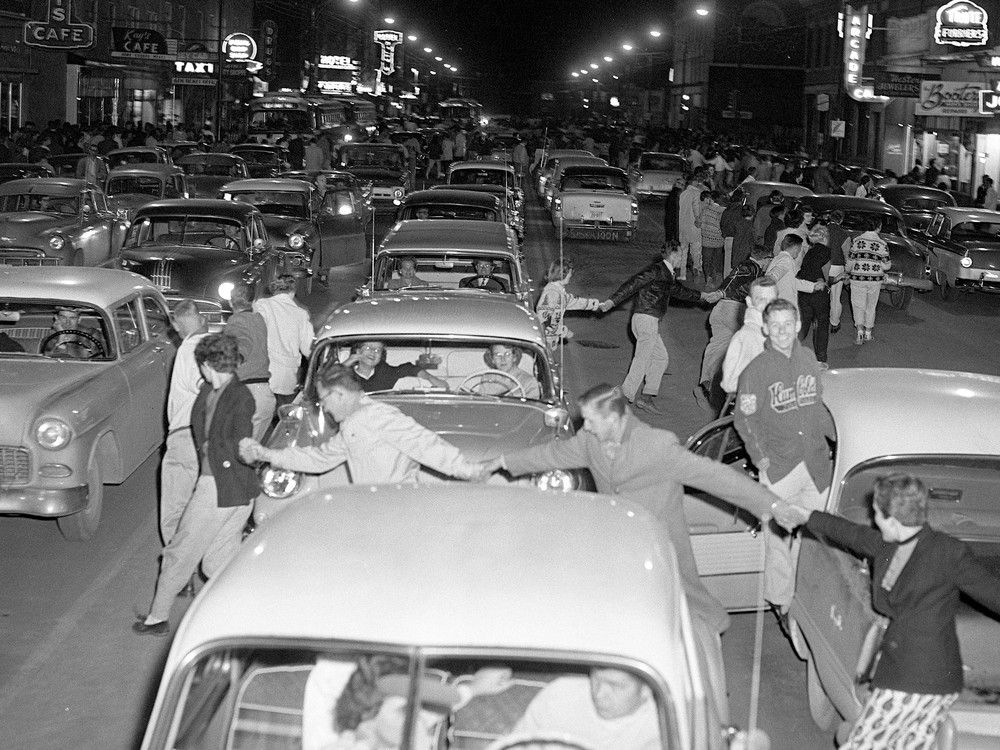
[{"x": 373, "y": 348}]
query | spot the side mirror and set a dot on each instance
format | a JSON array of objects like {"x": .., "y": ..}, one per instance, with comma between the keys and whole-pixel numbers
[
  {"x": 85, "y": 210},
  {"x": 556, "y": 416}
]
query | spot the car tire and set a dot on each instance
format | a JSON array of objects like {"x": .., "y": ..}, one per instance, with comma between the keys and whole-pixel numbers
[
  {"x": 946, "y": 290},
  {"x": 901, "y": 297},
  {"x": 82, "y": 525},
  {"x": 824, "y": 713}
]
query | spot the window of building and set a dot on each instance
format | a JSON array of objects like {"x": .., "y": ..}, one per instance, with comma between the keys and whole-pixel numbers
[{"x": 10, "y": 104}]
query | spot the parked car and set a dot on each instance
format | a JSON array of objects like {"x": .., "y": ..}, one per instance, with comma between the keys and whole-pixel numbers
[
  {"x": 446, "y": 251},
  {"x": 383, "y": 165},
  {"x": 262, "y": 159},
  {"x": 962, "y": 248},
  {"x": 657, "y": 173},
  {"x": 555, "y": 169},
  {"x": 124, "y": 157},
  {"x": 916, "y": 203},
  {"x": 754, "y": 191},
  {"x": 451, "y": 204},
  {"x": 200, "y": 248},
  {"x": 16, "y": 171},
  {"x": 457, "y": 569},
  {"x": 127, "y": 188},
  {"x": 481, "y": 413},
  {"x": 177, "y": 149},
  {"x": 594, "y": 202},
  {"x": 206, "y": 173},
  {"x": 57, "y": 221},
  {"x": 64, "y": 165},
  {"x": 513, "y": 209},
  {"x": 908, "y": 265},
  {"x": 302, "y": 222},
  {"x": 542, "y": 172},
  {"x": 82, "y": 405},
  {"x": 462, "y": 173}
]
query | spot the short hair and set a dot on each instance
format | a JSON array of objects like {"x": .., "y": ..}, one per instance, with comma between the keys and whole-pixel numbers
[
  {"x": 186, "y": 308},
  {"x": 406, "y": 259},
  {"x": 874, "y": 223},
  {"x": 605, "y": 398},
  {"x": 793, "y": 218},
  {"x": 790, "y": 239},
  {"x": 488, "y": 357},
  {"x": 761, "y": 282},
  {"x": 836, "y": 216},
  {"x": 335, "y": 375},
  {"x": 901, "y": 496},
  {"x": 776, "y": 210},
  {"x": 220, "y": 351},
  {"x": 779, "y": 305},
  {"x": 705, "y": 194},
  {"x": 821, "y": 232},
  {"x": 241, "y": 297},
  {"x": 558, "y": 269},
  {"x": 286, "y": 282},
  {"x": 775, "y": 194}
]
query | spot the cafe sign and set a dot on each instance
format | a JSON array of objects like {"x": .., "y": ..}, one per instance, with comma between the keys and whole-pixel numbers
[
  {"x": 59, "y": 30},
  {"x": 142, "y": 44},
  {"x": 949, "y": 99},
  {"x": 961, "y": 23}
]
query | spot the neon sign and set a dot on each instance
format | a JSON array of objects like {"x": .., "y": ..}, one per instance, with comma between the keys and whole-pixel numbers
[
  {"x": 59, "y": 30},
  {"x": 855, "y": 27},
  {"x": 336, "y": 62},
  {"x": 961, "y": 23},
  {"x": 388, "y": 40},
  {"x": 239, "y": 47}
]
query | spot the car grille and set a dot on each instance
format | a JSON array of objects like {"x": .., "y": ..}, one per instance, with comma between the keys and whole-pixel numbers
[
  {"x": 25, "y": 256},
  {"x": 161, "y": 274},
  {"x": 15, "y": 465}
]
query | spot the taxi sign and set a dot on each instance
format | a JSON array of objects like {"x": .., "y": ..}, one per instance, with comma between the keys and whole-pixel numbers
[{"x": 59, "y": 30}]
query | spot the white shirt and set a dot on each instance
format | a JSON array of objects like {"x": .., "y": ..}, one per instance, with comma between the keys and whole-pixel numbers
[
  {"x": 689, "y": 211},
  {"x": 289, "y": 338},
  {"x": 743, "y": 347},
  {"x": 185, "y": 382},
  {"x": 782, "y": 269}
]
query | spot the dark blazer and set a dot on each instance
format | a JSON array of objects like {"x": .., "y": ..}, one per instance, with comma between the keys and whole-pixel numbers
[
  {"x": 653, "y": 287},
  {"x": 235, "y": 481},
  {"x": 919, "y": 652}
]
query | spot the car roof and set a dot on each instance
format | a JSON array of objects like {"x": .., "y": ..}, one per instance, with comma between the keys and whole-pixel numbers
[
  {"x": 466, "y": 314},
  {"x": 137, "y": 150},
  {"x": 198, "y": 206},
  {"x": 663, "y": 153},
  {"x": 285, "y": 185},
  {"x": 453, "y": 565},
  {"x": 495, "y": 189},
  {"x": 61, "y": 186},
  {"x": 499, "y": 165},
  {"x": 257, "y": 147},
  {"x": 145, "y": 169},
  {"x": 956, "y": 215},
  {"x": 573, "y": 169},
  {"x": 450, "y": 234},
  {"x": 576, "y": 160},
  {"x": 784, "y": 187},
  {"x": 850, "y": 203},
  {"x": 207, "y": 158},
  {"x": 557, "y": 152},
  {"x": 922, "y": 190},
  {"x": 465, "y": 197},
  {"x": 99, "y": 287},
  {"x": 911, "y": 411},
  {"x": 368, "y": 144}
]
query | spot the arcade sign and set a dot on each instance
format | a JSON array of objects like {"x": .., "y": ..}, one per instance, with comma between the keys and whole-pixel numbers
[
  {"x": 961, "y": 23},
  {"x": 388, "y": 40},
  {"x": 59, "y": 30},
  {"x": 855, "y": 27},
  {"x": 239, "y": 47}
]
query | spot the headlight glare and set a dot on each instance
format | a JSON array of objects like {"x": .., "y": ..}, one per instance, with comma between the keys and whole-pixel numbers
[
  {"x": 556, "y": 480},
  {"x": 279, "y": 483},
  {"x": 226, "y": 290},
  {"x": 398, "y": 192},
  {"x": 53, "y": 434},
  {"x": 966, "y": 261},
  {"x": 296, "y": 241},
  {"x": 345, "y": 210},
  {"x": 56, "y": 242}
]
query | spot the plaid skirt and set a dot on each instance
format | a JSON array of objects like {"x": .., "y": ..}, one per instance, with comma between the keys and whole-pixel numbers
[{"x": 894, "y": 720}]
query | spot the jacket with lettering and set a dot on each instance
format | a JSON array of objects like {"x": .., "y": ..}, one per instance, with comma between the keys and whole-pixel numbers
[
  {"x": 652, "y": 288},
  {"x": 780, "y": 413}
]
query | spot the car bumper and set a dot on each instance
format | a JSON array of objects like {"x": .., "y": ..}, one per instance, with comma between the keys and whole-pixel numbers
[
  {"x": 653, "y": 190},
  {"x": 978, "y": 279},
  {"x": 897, "y": 280},
  {"x": 385, "y": 197},
  {"x": 46, "y": 503},
  {"x": 599, "y": 231}
]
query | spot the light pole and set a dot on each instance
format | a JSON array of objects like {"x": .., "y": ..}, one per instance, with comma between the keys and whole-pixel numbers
[{"x": 705, "y": 12}]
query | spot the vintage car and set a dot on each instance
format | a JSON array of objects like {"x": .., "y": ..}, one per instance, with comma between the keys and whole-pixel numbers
[
  {"x": 300, "y": 220},
  {"x": 448, "y": 203},
  {"x": 555, "y": 169},
  {"x": 57, "y": 220},
  {"x": 949, "y": 443},
  {"x": 446, "y": 251},
  {"x": 382, "y": 165},
  {"x": 657, "y": 173},
  {"x": 541, "y": 171},
  {"x": 64, "y": 165},
  {"x": 17, "y": 171},
  {"x": 178, "y": 149},
  {"x": 483, "y": 411},
  {"x": 594, "y": 202},
  {"x": 754, "y": 191},
  {"x": 83, "y": 388},
  {"x": 262, "y": 159},
  {"x": 485, "y": 173},
  {"x": 199, "y": 248},
  {"x": 123, "y": 157},
  {"x": 916, "y": 203},
  {"x": 908, "y": 270},
  {"x": 127, "y": 188},
  {"x": 280, "y": 645},
  {"x": 206, "y": 173},
  {"x": 962, "y": 247},
  {"x": 334, "y": 179},
  {"x": 513, "y": 208}
]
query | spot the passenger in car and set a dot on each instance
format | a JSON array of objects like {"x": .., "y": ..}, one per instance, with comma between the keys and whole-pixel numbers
[
  {"x": 506, "y": 359},
  {"x": 407, "y": 269},
  {"x": 484, "y": 278},
  {"x": 368, "y": 362}
]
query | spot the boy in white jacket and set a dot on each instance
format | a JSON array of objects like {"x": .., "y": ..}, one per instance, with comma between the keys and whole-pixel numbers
[
  {"x": 748, "y": 342},
  {"x": 555, "y": 301}
]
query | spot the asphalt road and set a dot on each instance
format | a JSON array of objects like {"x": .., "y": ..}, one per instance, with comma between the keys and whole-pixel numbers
[{"x": 72, "y": 674}]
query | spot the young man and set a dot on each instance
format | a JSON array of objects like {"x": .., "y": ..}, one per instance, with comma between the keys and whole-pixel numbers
[
  {"x": 838, "y": 241},
  {"x": 289, "y": 336},
  {"x": 484, "y": 278},
  {"x": 689, "y": 225},
  {"x": 748, "y": 342},
  {"x": 250, "y": 330},
  {"x": 784, "y": 267},
  {"x": 867, "y": 262},
  {"x": 782, "y": 420}
]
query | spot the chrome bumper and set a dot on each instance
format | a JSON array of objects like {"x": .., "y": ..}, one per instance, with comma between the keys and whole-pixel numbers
[{"x": 46, "y": 503}]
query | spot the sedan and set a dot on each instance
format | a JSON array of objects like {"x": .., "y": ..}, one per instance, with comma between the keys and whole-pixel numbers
[
  {"x": 962, "y": 247},
  {"x": 206, "y": 173},
  {"x": 383, "y": 165},
  {"x": 262, "y": 159},
  {"x": 123, "y": 157},
  {"x": 917, "y": 203},
  {"x": 656, "y": 174},
  {"x": 57, "y": 221},
  {"x": 128, "y": 188}
]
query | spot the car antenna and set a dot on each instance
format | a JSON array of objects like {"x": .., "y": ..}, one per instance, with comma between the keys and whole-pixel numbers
[{"x": 562, "y": 310}]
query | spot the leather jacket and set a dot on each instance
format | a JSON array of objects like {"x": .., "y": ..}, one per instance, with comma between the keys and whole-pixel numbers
[{"x": 652, "y": 288}]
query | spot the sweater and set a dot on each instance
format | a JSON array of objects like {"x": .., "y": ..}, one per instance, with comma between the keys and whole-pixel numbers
[
  {"x": 743, "y": 349},
  {"x": 868, "y": 258},
  {"x": 711, "y": 230}
]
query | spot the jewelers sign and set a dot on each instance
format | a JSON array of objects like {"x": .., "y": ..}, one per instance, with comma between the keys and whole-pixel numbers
[{"x": 949, "y": 99}]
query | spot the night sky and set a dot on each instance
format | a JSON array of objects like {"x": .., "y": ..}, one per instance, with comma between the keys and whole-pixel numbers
[{"x": 513, "y": 42}]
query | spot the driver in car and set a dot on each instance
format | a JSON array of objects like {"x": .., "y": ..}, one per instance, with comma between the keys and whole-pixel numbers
[
  {"x": 609, "y": 710},
  {"x": 72, "y": 344},
  {"x": 407, "y": 269},
  {"x": 505, "y": 359},
  {"x": 368, "y": 362},
  {"x": 484, "y": 278}
]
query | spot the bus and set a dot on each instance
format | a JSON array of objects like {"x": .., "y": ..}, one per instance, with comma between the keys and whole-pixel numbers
[
  {"x": 274, "y": 114},
  {"x": 466, "y": 111}
]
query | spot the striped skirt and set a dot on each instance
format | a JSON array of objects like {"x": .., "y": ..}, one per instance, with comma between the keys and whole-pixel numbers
[{"x": 894, "y": 720}]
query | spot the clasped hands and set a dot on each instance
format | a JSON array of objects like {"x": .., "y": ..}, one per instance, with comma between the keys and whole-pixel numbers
[
  {"x": 251, "y": 451},
  {"x": 789, "y": 515}
]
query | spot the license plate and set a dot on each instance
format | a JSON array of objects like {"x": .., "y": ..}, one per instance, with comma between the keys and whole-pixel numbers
[
  {"x": 594, "y": 216},
  {"x": 609, "y": 235}
]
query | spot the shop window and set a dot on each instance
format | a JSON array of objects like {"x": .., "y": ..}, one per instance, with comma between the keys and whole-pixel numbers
[{"x": 10, "y": 105}]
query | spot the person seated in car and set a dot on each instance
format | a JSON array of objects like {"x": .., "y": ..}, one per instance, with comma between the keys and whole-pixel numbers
[
  {"x": 368, "y": 362},
  {"x": 506, "y": 358},
  {"x": 484, "y": 278},
  {"x": 407, "y": 269},
  {"x": 422, "y": 213},
  {"x": 7, "y": 344},
  {"x": 609, "y": 710},
  {"x": 73, "y": 344}
]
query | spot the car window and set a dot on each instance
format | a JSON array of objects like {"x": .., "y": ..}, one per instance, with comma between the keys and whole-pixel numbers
[
  {"x": 68, "y": 205},
  {"x": 135, "y": 185},
  {"x": 126, "y": 317},
  {"x": 186, "y": 230},
  {"x": 982, "y": 231},
  {"x": 274, "y": 202},
  {"x": 935, "y": 226},
  {"x": 440, "y": 271},
  {"x": 26, "y": 326},
  {"x": 595, "y": 182},
  {"x": 157, "y": 318},
  {"x": 338, "y": 202}
]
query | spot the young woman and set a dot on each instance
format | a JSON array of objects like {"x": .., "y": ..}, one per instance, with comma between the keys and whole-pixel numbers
[{"x": 556, "y": 300}]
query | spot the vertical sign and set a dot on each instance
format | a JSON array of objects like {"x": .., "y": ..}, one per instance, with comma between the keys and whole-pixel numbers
[
  {"x": 388, "y": 40},
  {"x": 855, "y": 27},
  {"x": 269, "y": 32}
]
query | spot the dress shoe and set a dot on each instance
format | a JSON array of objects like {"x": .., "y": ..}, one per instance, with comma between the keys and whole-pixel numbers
[
  {"x": 647, "y": 403},
  {"x": 139, "y": 627}
]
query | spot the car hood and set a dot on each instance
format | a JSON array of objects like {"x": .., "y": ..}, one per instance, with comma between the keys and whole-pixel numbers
[
  {"x": 191, "y": 270},
  {"x": 280, "y": 227},
  {"x": 31, "y": 224},
  {"x": 130, "y": 201},
  {"x": 377, "y": 173}
]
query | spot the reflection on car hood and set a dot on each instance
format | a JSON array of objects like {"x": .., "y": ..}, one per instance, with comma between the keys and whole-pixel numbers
[
  {"x": 279, "y": 227},
  {"x": 183, "y": 254},
  {"x": 31, "y": 223}
]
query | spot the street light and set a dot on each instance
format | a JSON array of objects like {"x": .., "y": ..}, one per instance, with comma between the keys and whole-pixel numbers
[
  {"x": 389, "y": 20},
  {"x": 575, "y": 74},
  {"x": 655, "y": 33},
  {"x": 438, "y": 59},
  {"x": 411, "y": 38},
  {"x": 428, "y": 50},
  {"x": 702, "y": 11},
  {"x": 608, "y": 58},
  {"x": 594, "y": 66}
]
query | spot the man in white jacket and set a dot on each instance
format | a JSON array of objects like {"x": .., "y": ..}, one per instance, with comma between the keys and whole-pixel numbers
[
  {"x": 289, "y": 336},
  {"x": 689, "y": 224},
  {"x": 748, "y": 342}
]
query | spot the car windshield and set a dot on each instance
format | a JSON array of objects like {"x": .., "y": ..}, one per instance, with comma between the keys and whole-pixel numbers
[
  {"x": 135, "y": 186},
  {"x": 438, "y": 270},
  {"x": 924, "y": 204},
  {"x": 68, "y": 205},
  {"x": 977, "y": 231},
  {"x": 385, "y": 158},
  {"x": 258, "y": 156},
  {"x": 283, "y": 120},
  {"x": 132, "y": 157},
  {"x": 274, "y": 697},
  {"x": 475, "y": 176},
  {"x": 210, "y": 231},
  {"x": 614, "y": 182},
  {"x": 857, "y": 221},
  {"x": 447, "y": 211},
  {"x": 57, "y": 329},
  {"x": 663, "y": 162},
  {"x": 275, "y": 203},
  {"x": 499, "y": 368},
  {"x": 202, "y": 167}
]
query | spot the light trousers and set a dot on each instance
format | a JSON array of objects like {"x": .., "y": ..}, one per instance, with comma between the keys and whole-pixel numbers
[
  {"x": 263, "y": 412},
  {"x": 690, "y": 248},
  {"x": 178, "y": 475},
  {"x": 206, "y": 533},
  {"x": 836, "y": 306},
  {"x": 864, "y": 300},
  {"x": 724, "y": 320},
  {"x": 782, "y": 548},
  {"x": 650, "y": 359}
]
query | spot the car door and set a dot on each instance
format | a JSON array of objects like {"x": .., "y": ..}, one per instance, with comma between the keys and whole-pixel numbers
[
  {"x": 728, "y": 547},
  {"x": 268, "y": 260},
  {"x": 95, "y": 230},
  {"x": 159, "y": 331}
]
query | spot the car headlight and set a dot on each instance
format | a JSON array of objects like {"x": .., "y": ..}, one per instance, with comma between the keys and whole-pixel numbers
[
  {"x": 53, "y": 434},
  {"x": 345, "y": 210},
  {"x": 635, "y": 208},
  {"x": 397, "y": 193},
  {"x": 556, "y": 480},
  {"x": 226, "y": 290},
  {"x": 966, "y": 261},
  {"x": 279, "y": 483},
  {"x": 56, "y": 242},
  {"x": 296, "y": 241},
  {"x": 348, "y": 137}
]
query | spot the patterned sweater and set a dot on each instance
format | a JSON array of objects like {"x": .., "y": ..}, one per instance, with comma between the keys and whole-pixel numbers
[{"x": 868, "y": 258}]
